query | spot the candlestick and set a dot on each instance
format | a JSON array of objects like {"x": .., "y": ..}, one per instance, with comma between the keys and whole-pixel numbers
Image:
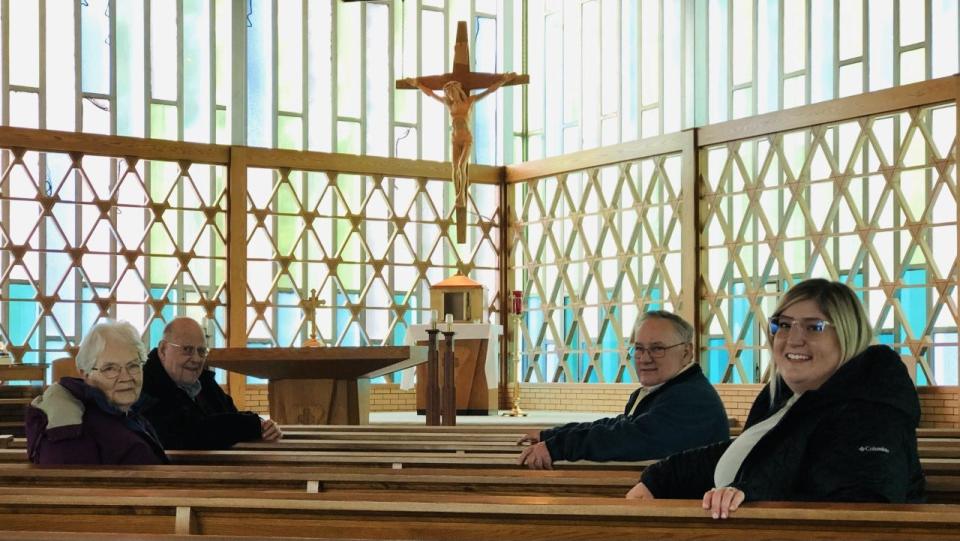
[
  {"x": 448, "y": 319},
  {"x": 433, "y": 319}
]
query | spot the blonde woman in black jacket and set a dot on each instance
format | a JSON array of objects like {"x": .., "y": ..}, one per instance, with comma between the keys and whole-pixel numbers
[{"x": 838, "y": 424}]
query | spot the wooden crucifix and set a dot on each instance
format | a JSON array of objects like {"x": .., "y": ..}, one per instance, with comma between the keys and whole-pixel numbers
[{"x": 456, "y": 97}]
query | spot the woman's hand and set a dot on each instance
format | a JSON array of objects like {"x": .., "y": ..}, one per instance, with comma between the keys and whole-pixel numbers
[
  {"x": 723, "y": 501},
  {"x": 640, "y": 492}
]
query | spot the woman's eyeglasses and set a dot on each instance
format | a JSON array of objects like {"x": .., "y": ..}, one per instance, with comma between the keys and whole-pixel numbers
[
  {"x": 112, "y": 371},
  {"x": 810, "y": 326}
]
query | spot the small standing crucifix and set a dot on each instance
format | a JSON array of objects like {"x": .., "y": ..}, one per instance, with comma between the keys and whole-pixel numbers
[
  {"x": 309, "y": 307},
  {"x": 456, "y": 88}
]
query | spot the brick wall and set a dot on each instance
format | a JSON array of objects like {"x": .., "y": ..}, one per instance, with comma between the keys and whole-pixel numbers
[
  {"x": 390, "y": 397},
  {"x": 256, "y": 396},
  {"x": 385, "y": 397},
  {"x": 941, "y": 405}
]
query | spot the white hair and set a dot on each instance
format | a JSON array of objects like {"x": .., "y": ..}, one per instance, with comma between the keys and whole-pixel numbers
[{"x": 95, "y": 341}]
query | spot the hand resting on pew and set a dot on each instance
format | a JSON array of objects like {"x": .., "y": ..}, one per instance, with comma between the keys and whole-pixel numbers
[
  {"x": 530, "y": 437},
  {"x": 270, "y": 431},
  {"x": 536, "y": 457}
]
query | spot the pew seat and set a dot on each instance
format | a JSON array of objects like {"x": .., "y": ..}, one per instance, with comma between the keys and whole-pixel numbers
[{"x": 392, "y": 515}]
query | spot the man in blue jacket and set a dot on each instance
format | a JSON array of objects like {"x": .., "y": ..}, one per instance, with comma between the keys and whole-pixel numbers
[{"x": 676, "y": 407}]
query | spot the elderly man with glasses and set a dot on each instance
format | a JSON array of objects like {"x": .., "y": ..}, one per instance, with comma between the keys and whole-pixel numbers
[
  {"x": 675, "y": 408},
  {"x": 186, "y": 404},
  {"x": 94, "y": 419}
]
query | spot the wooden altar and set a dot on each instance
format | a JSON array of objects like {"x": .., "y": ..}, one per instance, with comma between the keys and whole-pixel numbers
[{"x": 318, "y": 386}]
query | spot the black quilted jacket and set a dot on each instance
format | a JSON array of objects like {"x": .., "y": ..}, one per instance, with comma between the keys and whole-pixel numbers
[{"x": 852, "y": 440}]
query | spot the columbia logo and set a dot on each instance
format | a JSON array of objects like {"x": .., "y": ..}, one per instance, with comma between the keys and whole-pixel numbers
[{"x": 873, "y": 449}]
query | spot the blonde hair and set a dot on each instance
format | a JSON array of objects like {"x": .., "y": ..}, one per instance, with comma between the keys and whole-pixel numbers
[{"x": 842, "y": 308}]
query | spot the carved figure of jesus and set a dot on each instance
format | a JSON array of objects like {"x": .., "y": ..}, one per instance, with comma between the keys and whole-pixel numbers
[{"x": 460, "y": 104}]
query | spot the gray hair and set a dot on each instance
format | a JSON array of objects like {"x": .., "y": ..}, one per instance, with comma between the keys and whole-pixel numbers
[
  {"x": 95, "y": 342},
  {"x": 681, "y": 326}
]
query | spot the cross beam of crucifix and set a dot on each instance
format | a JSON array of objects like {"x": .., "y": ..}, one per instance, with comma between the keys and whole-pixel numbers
[{"x": 456, "y": 97}]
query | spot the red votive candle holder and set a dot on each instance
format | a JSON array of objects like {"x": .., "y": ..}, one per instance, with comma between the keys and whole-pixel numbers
[{"x": 517, "y": 302}]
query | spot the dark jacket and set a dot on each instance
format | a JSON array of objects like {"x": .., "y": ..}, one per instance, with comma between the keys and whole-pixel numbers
[
  {"x": 73, "y": 423},
  {"x": 211, "y": 421},
  {"x": 684, "y": 412},
  {"x": 852, "y": 440}
]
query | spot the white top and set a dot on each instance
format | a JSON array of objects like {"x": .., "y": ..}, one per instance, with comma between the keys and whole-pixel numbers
[
  {"x": 465, "y": 331},
  {"x": 732, "y": 459}
]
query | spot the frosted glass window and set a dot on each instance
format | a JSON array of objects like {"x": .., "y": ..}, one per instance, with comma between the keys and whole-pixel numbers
[
  {"x": 377, "y": 81},
  {"x": 289, "y": 132},
  {"x": 794, "y": 36},
  {"x": 290, "y": 56},
  {"x": 259, "y": 74},
  {"x": 61, "y": 107},
  {"x": 130, "y": 69},
  {"x": 912, "y": 66},
  {"x": 197, "y": 83},
  {"x": 851, "y": 29},
  {"x": 912, "y": 17},
  {"x": 163, "y": 50},
  {"x": 319, "y": 68},
  {"x": 95, "y": 40},
  {"x": 24, "y": 43},
  {"x": 742, "y": 41},
  {"x": 24, "y": 109},
  {"x": 851, "y": 80},
  {"x": 348, "y": 60},
  {"x": 590, "y": 90},
  {"x": 717, "y": 63},
  {"x": 880, "y": 14},
  {"x": 794, "y": 93},
  {"x": 944, "y": 38},
  {"x": 821, "y": 50},
  {"x": 650, "y": 52},
  {"x": 95, "y": 115},
  {"x": 768, "y": 62}
]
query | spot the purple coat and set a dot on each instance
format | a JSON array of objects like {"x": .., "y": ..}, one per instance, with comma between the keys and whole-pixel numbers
[{"x": 73, "y": 423}]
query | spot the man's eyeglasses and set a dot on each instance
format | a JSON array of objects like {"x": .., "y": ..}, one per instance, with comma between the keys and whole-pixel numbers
[
  {"x": 810, "y": 326},
  {"x": 112, "y": 371},
  {"x": 190, "y": 351},
  {"x": 655, "y": 352}
]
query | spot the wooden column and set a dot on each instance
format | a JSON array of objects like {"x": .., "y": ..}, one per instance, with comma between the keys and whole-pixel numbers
[
  {"x": 237, "y": 267},
  {"x": 690, "y": 236}
]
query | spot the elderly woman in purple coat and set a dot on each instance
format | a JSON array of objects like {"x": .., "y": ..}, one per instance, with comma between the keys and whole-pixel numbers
[{"x": 93, "y": 420}]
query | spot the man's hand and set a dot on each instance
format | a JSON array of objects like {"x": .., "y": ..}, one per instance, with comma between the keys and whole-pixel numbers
[
  {"x": 720, "y": 502},
  {"x": 269, "y": 430},
  {"x": 640, "y": 492},
  {"x": 530, "y": 437},
  {"x": 536, "y": 457}
]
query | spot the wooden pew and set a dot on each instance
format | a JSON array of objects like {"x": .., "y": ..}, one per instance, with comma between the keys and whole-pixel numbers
[
  {"x": 391, "y": 515},
  {"x": 590, "y": 482},
  {"x": 10, "y": 535},
  {"x": 505, "y": 428},
  {"x": 399, "y": 460},
  {"x": 325, "y": 479}
]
